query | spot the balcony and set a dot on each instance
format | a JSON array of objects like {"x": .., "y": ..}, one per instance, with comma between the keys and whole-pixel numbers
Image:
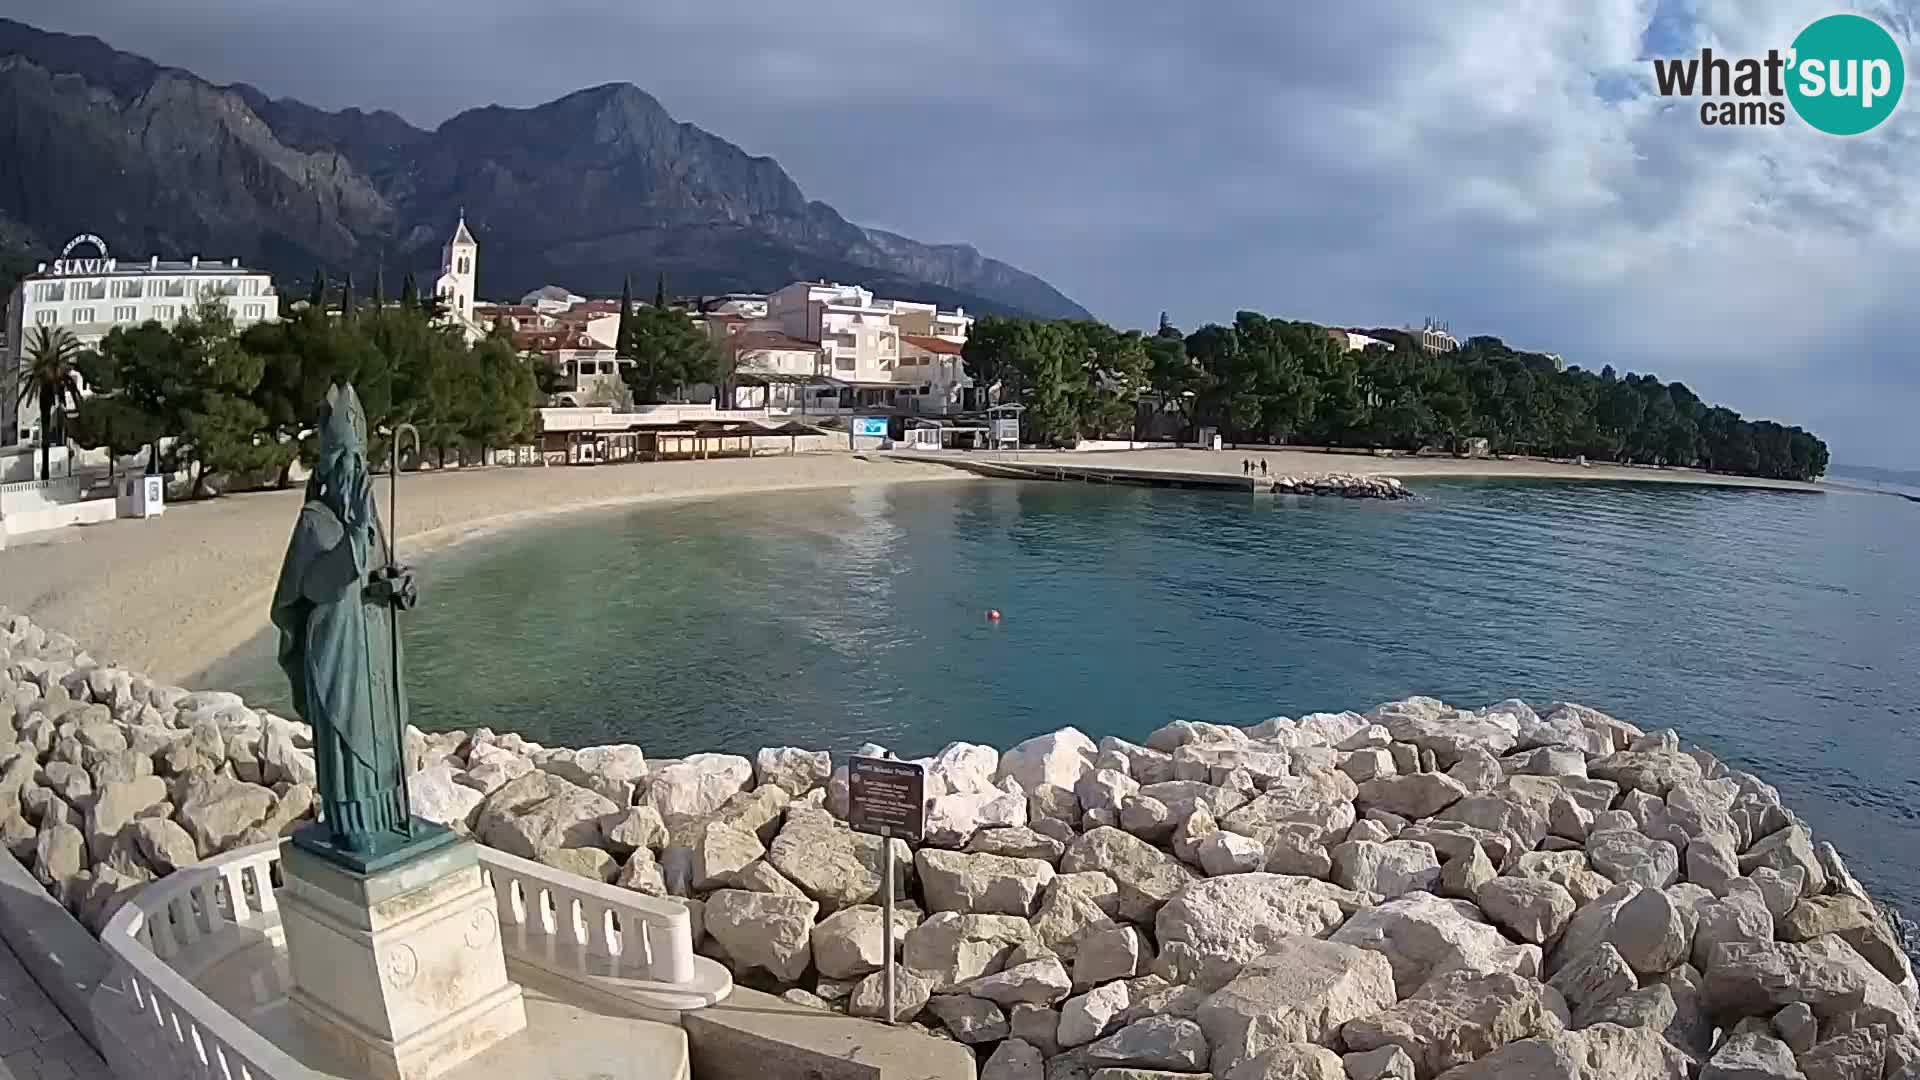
[{"x": 200, "y": 977}]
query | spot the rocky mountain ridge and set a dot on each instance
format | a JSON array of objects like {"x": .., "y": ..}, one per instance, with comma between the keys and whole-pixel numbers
[{"x": 580, "y": 190}]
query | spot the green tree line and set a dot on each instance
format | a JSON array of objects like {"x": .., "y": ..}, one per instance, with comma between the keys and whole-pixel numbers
[
  {"x": 1279, "y": 381},
  {"x": 214, "y": 401}
]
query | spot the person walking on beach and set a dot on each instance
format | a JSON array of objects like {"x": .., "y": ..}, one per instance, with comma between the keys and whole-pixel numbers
[
  {"x": 1263, "y": 466},
  {"x": 1246, "y": 467}
]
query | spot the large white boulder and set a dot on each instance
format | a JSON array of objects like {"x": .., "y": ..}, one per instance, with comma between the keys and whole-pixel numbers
[
  {"x": 961, "y": 767},
  {"x": 1388, "y": 869},
  {"x": 847, "y": 944},
  {"x": 1423, "y": 936},
  {"x": 953, "y": 818},
  {"x": 762, "y": 930},
  {"x": 1459, "y": 1017},
  {"x": 436, "y": 794},
  {"x": 795, "y": 770},
  {"x": 981, "y": 884},
  {"x": 1059, "y": 758},
  {"x": 1147, "y": 877},
  {"x": 826, "y": 859},
  {"x": 1301, "y": 990},
  {"x": 1242, "y": 916},
  {"x": 539, "y": 812},
  {"x": 698, "y": 784},
  {"x": 950, "y": 948}
]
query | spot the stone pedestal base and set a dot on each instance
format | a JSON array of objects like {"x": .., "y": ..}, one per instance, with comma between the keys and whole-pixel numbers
[{"x": 397, "y": 973}]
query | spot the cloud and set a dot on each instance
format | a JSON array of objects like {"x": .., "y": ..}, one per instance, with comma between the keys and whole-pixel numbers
[{"x": 1500, "y": 163}]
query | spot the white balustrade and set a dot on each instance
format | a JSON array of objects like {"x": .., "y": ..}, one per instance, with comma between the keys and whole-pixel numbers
[
  {"x": 620, "y": 945},
  {"x": 601, "y": 936},
  {"x": 172, "y": 916}
]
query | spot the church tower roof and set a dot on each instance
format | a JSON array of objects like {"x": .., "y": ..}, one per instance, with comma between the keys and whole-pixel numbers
[{"x": 460, "y": 233}]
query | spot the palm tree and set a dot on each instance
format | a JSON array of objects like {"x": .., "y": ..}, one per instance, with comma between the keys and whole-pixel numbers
[{"x": 52, "y": 380}]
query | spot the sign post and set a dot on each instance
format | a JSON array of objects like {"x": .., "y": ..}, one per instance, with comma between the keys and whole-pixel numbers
[{"x": 888, "y": 799}]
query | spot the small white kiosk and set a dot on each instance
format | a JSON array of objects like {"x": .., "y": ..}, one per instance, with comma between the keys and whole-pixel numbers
[{"x": 143, "y": 496}]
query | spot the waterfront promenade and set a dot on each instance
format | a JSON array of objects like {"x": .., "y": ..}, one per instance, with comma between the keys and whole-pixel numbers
[{"x": 36, "y": 1041}]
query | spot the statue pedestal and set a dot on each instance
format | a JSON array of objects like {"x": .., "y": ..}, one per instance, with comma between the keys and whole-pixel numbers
[{"x": 397, "y": 970}]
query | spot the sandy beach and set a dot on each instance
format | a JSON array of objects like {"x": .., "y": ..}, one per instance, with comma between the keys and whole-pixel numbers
[
  {"x": 1295, "y": 462},
  {"x": 171, "y": 595}
]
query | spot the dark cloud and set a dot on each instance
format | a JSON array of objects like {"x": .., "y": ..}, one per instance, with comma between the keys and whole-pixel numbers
[{"x": 1499, "y": 164}]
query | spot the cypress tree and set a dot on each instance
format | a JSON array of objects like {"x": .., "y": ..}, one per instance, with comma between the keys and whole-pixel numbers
[
  {"x": 346, "y": 297},
  {"x": 622, "y": 337},
  {"x": 409, "y": 292},
  {"x": 317, "y": 294},
  {"x": 660, "y": 290},
  {"x": 379, "y": 288}
]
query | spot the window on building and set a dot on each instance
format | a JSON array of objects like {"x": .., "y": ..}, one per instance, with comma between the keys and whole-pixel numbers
[
  {"x": 50, "y": 290},
  {"x": 163, "y": 312},
  {"x": 125, "y": 313},
  {"x": 256, "y": 311},
  {"x": 82, "y": 316},
  {"x": 47, "y": 318},
  {"x": 127, "y": 289}
]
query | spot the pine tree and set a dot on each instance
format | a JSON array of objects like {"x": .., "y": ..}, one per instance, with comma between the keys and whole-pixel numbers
[
  {"x": 317, "y": 294},
  {"x": 660, "y": 290},
  {"x": 346, "y": 297},
  {"x": 623, "y": 336}
]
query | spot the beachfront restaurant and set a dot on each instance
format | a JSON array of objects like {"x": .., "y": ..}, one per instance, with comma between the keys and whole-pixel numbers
[{"x": 607, "y": 437}]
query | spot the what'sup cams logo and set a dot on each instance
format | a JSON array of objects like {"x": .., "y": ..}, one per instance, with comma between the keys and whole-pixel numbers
[{"x": 1843, "y": 75}]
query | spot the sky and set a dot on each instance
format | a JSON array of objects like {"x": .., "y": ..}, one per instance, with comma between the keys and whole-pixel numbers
[{"x": 1502, "y": 165}]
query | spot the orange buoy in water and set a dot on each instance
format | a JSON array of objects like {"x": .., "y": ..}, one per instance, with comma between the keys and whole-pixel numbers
[{"x": 993, "y": 614}]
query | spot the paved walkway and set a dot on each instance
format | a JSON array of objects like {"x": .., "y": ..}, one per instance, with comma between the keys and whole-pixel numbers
[{"x": 36, "y": 1042}]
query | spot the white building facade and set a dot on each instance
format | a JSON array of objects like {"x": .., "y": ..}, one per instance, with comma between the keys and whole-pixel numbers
[
  {"x": 856, "y": 333},
  {"x": 862, "y": 340},
  {"x": 88, "y": 295}
]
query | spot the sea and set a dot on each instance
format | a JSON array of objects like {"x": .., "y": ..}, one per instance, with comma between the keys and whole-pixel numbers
[{"x": 1779, "y": 630}]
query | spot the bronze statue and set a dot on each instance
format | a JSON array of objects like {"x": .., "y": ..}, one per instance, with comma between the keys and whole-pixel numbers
[{"x": 334, "y": 607}]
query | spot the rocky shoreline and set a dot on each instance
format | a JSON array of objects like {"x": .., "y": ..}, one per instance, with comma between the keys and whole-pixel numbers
[{"x": 1418, "y": 891}]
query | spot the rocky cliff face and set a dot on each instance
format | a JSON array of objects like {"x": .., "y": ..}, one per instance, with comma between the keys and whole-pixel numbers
[{"x": 581, "y": 190}]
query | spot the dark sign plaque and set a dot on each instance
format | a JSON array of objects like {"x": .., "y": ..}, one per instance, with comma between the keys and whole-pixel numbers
[{"x": 887, "y": 798}]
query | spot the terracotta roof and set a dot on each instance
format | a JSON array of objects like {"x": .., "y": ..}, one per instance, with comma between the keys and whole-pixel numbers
[
  {"x": 770, "y": 339},
  {"x": 931, "y": 344}
]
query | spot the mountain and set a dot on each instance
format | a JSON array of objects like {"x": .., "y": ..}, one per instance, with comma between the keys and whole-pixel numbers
[{"x": 580, "y": 191}]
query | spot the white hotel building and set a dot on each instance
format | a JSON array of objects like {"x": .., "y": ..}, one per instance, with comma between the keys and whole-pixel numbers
[
  {"x": 863, "y": 355},
  {"x": 89, "y": 296}
]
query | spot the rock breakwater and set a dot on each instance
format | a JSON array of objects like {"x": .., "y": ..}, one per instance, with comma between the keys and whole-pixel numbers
[
  {"x": 1416, "y": 891},
  {"x": 1345, "y": 485}
]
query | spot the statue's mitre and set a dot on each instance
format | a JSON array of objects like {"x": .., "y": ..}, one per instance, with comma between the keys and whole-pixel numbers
[{"x": 344, "y": 430}]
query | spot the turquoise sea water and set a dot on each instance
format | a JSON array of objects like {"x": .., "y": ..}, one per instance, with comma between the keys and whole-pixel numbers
[{"x": 1782, "y": 631}]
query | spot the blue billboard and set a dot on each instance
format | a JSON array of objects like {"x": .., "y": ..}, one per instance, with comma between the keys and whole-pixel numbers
[{"x": 870, "y": 427}]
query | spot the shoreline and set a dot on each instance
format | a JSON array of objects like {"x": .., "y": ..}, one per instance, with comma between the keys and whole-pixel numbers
[
  {"x": 176, "y": 595},
  {"x": 1296, "y": 461}
]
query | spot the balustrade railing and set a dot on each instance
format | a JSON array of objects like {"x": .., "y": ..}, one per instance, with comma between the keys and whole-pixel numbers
[
  {"x": 601, "y": 936},
  {"x": 599, "y": 939},
  {"x": 165, "y": 920}
]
